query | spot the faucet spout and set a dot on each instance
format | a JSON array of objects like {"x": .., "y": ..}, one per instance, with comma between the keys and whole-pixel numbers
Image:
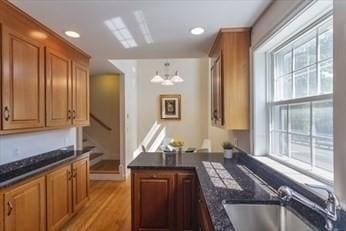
[{"x": 329, "y": 213}]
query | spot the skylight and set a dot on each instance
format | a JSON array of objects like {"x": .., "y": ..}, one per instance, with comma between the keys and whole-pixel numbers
[
  {"x": 121, "y": 32},
  {"x": 142, "y": 22}
]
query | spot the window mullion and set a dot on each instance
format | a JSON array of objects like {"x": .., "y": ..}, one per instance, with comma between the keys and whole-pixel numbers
[
  {"x": 287, "y": 133},
  {"x": 292, "y": 75},
  {"x": 313, "y": 157},
  {"x": 317, "y": 63}
]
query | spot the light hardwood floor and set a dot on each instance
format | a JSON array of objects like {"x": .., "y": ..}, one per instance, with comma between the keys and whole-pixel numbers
[{"x": 109, "y": 208}]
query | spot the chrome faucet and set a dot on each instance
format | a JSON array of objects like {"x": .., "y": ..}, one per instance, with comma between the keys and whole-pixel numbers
[{"x": 329, "y": 213}]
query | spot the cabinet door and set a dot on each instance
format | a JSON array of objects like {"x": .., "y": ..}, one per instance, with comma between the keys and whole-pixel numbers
[
  {"x": 1, "y": 212},
  {"x": 80, "y": 170},
  {"x": 217, "y": 92},
  {"x": 204, "y": 221},
  {"x": 59, "y": 197},
  {"x": 23, "y": 81},
  {"x": 153, "y": 201},
  {"x": 80, "y": 85},
  {"x": 186, "y": 201},
  {"x": 25, "y": 207},
  {"x": 58, "y": 89}
]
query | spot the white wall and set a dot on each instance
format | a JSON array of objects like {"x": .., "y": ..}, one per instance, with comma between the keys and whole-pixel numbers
[
  {"x": 193, "y": 127},
  {"x": 340, "y": 100},
  {"x": 19, "y": 146},
  {"x": 128, "y": 109}
]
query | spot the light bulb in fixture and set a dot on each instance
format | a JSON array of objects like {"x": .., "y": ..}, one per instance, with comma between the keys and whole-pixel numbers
[
  {"x": 157, "y": 78},
  {"x": 72, "y": 34},
  {"x": 167, "y": 82},
  {"x": 197, "y": 31},
  {"x": 176, "y": 78}
]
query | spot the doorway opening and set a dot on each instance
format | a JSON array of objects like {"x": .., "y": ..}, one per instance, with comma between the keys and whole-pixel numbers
[{"x": 103, "y": 137}]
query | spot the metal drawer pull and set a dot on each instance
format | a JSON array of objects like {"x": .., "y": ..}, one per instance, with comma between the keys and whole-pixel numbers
[
  {"x": 69, "y": 114},
  {"x": 6, "y": 113},
  {"x": 74, "y": 114},
  {"x": 74, "y": 173},
  {"x": 10, "y": 208},
  {"x": 69, "y": 175}
]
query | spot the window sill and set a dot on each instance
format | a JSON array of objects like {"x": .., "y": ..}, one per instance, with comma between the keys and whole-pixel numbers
[{"x": 299, "y": 172}]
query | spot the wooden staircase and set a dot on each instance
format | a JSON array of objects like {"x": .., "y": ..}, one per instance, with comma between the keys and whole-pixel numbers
[{"x": 98, "y": 165}]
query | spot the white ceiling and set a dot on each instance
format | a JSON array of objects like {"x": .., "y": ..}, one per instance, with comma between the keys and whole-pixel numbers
[{"x": 169, "y": 22}]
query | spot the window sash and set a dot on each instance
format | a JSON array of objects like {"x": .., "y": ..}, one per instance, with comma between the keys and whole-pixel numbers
[{"x": 309, "y": 99}]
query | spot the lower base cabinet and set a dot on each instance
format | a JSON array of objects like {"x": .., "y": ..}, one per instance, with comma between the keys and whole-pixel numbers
[
  {"x": 165, "y": 200},
  {"x": 46, "y": 202},
  {"x": 80, "y": 183},
  {"x": 204, "y": 222},
  {"x": 59, "y": 197},
  {"x": 25, "y": 206}
]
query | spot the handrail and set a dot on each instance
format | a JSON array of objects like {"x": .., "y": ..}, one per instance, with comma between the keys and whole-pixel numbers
[{"x": 100, "y": 122}]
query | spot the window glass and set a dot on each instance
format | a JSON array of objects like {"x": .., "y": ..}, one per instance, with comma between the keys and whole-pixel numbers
[
  {"x": 302, "y": 107},
  {"x": 299, "y": 118},
  {"x": 325, "y": 40},
  {"x": 305, "y": 52}
]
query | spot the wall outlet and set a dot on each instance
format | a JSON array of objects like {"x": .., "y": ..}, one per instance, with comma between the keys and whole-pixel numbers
[
  {"x": 16, "y": 151},
  {"x": 235, "y": 141}
]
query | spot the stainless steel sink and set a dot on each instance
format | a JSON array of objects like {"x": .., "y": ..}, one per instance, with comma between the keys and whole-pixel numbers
[{"x": 249, "y": 217}]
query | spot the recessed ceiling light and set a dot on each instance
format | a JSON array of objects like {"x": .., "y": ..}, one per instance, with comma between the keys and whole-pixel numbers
[
  {"x": 72, "y": 34},
  {"x": 197, "y": 30}
]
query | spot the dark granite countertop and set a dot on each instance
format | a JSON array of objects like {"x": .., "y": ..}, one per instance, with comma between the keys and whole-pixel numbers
[
  {"x": 242, "y": 179},
  {"x": 14, "y": 172},
  {"x": 220, "y": 180}
]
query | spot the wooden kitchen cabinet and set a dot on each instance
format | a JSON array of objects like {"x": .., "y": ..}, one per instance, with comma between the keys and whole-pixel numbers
[
  {"x": 59, "y": 197},
  {"x": 186, "y": 201},
  {"x": 217, "y": 92},
  {"x": 164, "y": 200},
  {"x": 203, "y": 217},
  {"x": 25, "y": 206},
  {"x": 230, "y": 74},
  {"x": 1, "y": 212},
  {"x": 44, "y": 78},
  {"x": 153, "y": 200},
  {"x": 80, "y": 76},
  {"x": 80, "y": 183},
  {"x": 58, "y": 89},
  {"x": 22, "y": 81}
]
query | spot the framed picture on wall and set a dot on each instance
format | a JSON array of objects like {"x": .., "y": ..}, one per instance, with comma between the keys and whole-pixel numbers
[{"x": 170, "y": 107}]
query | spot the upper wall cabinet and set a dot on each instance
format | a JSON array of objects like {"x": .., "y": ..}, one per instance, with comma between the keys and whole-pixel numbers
[
  {"x": 230, "y": 72},
  {"x": 80, "y": 76},
  {"x": 44, "y": 83},
  {"x": 58, "y": 89},
  {"x": 22, "y": 81}
]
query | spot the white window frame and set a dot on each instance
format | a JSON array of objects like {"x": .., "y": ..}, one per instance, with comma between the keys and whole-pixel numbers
[{"x": 308, "y": 169}]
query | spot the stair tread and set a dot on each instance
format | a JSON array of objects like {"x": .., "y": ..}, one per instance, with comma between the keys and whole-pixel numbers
[
  {"x": 95, "y": 155},
  {"x": 88, "y": 148}
]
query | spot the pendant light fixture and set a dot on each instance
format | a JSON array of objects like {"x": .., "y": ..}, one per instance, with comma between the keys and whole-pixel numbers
[
  {"x": 176, "y": 78},
  {"x": 169, "y": 79},
  {"x": 157, "y": 78}
]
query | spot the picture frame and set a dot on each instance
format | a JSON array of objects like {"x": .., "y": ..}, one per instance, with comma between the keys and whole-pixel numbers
[{"x": 170, "y": 107}]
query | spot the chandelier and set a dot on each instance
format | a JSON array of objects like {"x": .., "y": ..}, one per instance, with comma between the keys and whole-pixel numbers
[{"x": 167, "y": 79}]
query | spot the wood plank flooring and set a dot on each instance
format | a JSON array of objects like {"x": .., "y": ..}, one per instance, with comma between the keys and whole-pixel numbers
[
  {"x": 109, "y": 208},
  {"x": 105, "y": 166}
]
